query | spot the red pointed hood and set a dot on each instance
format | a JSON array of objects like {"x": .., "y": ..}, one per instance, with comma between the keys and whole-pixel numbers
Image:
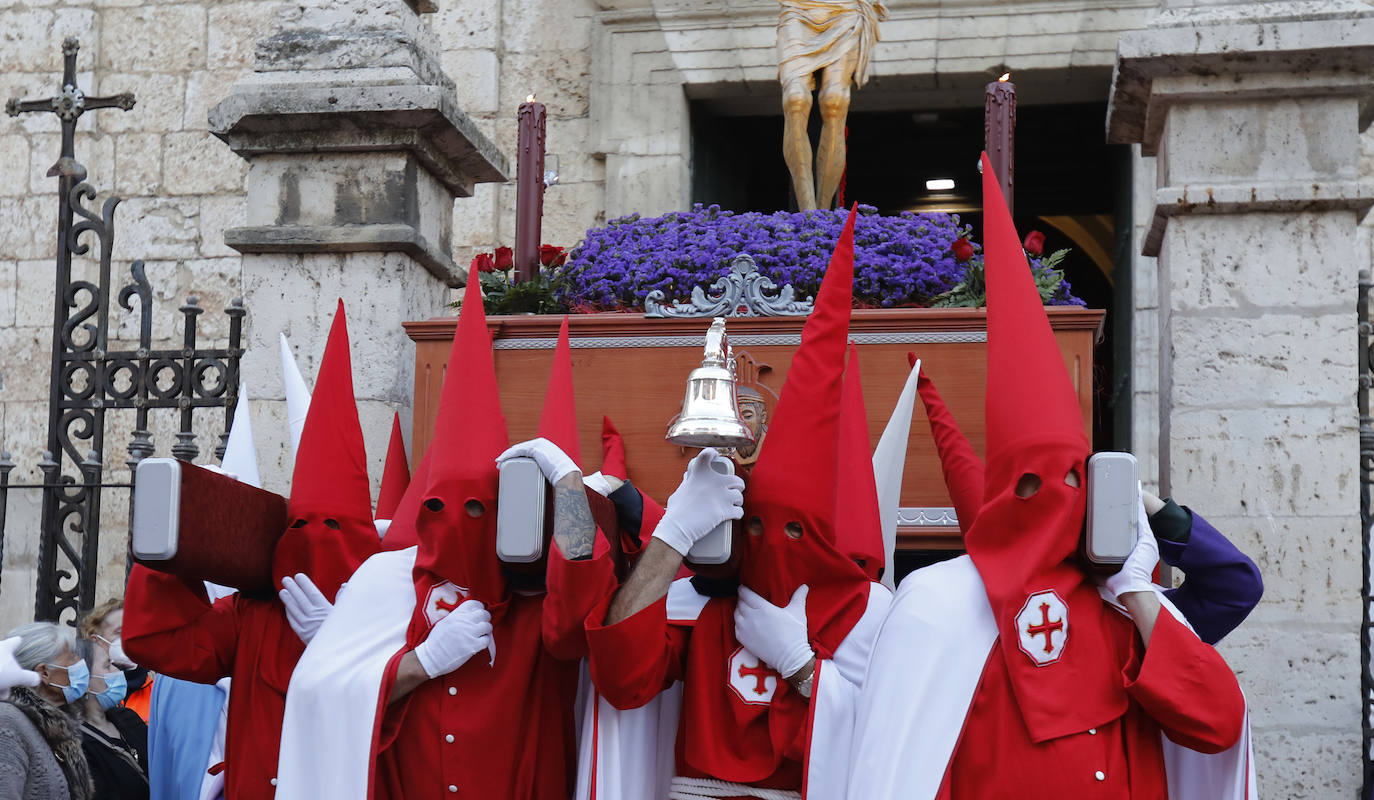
[
  {"x": 402, "y": 533},
  {"x": 395, "y": 473},
  {"x": 858, "y": 526},
  {"x": 456, "y": 522},
  {"x": 558, "y": 423},
  {"x": 330, "y": 508},
  {"x": 1064, "y": 672},
  {"x": 794, "y": 479},
  {"x": 961, "y": 466},
  {"x": 613, "y": 451}
]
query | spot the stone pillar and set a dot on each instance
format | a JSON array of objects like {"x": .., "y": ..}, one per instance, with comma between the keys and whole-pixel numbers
[
  {"x": 357, "y": 150},
  {"x": 1253, "y": 114}
]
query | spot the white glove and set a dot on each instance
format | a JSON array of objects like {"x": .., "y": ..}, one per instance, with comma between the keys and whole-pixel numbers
[
  {"x": 703, "y": 500},
  {"x": 215, "y": 468},
  {"x": 552, "y": 461},
  {"x": 776, "y": 635},
  {"x": 11, "y": 674},
  {"x": 1137, "y": 574},
  {"x": 454, "y": 639},
  {"x": 118, "y": 657},
  {"x": 603, "y": 485},
  {"x": 306, "y": 606}
]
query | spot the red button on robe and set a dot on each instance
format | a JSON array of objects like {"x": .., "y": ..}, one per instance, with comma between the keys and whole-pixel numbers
[
  {"x": 173, "y": 630},
  {"x": 1178, "y": 685}
]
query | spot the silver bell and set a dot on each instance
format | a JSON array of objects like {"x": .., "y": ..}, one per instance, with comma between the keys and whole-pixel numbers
[{"x": 710, "y": 410}]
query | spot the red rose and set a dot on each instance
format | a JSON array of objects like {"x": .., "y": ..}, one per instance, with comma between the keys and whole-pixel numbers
[
  {"x": 1035, "y": 243},
  {"x": 962, "y": 248},
  {"x": 482, "y": 262},
  {"x": 551, "y": 255},
  {"x": 504, "y": 258}
]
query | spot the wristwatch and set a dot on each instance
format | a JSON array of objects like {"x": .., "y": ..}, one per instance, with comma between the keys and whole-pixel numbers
[{"x": 804, "y": 687}]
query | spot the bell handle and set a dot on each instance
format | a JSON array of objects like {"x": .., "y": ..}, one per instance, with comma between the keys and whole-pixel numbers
[{"x": 716, "y": 352}]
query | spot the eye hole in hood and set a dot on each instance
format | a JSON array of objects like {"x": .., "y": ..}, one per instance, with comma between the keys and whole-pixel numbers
[{"x": 1028, "y": 486}]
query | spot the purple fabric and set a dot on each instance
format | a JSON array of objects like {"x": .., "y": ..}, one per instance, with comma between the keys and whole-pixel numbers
[{"x": 1223, "y": 585}]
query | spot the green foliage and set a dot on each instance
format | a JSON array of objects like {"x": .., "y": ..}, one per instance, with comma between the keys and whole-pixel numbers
[
  {"x": 972, "y": 291},
  {"x": 502, "y": 295}
]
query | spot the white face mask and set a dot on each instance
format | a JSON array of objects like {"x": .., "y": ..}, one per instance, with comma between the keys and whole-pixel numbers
[{"x": 117, "y": 655}]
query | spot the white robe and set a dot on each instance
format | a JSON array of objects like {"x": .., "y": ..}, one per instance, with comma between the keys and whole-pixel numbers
[
  {"x": 327, "y": 746},
  {"x": 630, "y": 755}
]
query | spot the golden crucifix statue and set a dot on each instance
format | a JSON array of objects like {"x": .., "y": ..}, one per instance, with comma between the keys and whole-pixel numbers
[{"x": 834, "y": 38}]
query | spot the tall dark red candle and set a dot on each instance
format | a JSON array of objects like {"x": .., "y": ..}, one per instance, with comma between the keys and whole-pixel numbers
[
  {"x": 999, "y": 132},
  {"x": 529, "y": 189}
]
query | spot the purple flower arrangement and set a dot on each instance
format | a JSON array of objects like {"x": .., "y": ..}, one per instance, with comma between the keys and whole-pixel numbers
[{"x": 899, "y": 261}]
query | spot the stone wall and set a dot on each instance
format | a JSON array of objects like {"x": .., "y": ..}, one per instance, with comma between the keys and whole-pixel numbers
[
  {"x": 1244, "y": 367},
  {"x": 182, "y": 189},
  {"x": 498, "y": 53}
]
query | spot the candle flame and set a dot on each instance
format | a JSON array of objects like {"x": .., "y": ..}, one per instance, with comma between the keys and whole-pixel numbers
[
  {"x": 1006, "y": 76},
  {"x": 529, "y": 99}
]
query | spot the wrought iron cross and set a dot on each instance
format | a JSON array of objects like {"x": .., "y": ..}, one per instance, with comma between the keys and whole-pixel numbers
[{"x": 70, "y": 104}]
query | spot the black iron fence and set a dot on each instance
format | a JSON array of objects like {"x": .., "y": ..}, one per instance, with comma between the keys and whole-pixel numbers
[
  {"x": 92, "y": 374},
  {"x": 1365, "y": 357}
]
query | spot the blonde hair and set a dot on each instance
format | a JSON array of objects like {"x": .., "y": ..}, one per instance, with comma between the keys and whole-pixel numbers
[{"x": 96, "y": 617}]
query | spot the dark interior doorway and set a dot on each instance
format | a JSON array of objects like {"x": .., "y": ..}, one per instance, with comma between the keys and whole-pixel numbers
[{"x": 1070, "y": 185}]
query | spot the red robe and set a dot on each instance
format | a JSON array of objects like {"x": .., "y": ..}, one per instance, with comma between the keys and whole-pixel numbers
[
  {"x": 172, "y": 629},
  {"x": 511, "y": 725},
  {"x": 719, "y": 735},
  {"x": 1179, "y": 686}
]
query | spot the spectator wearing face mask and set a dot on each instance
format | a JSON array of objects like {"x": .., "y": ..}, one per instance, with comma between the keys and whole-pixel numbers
[
  {"x": 104, "y": 625},
  {"x": 40, "y": 744},
  {"x": 114, "y": 738}
]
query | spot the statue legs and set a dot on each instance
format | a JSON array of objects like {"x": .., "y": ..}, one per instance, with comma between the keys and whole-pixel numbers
[
  {"x": 834, "y": 107},
  {"x": 796, "y": 143}
]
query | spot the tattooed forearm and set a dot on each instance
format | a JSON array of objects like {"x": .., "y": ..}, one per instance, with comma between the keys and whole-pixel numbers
[
  {"x": 648, "y": 581},
  {"x": 574, "y": 531}
]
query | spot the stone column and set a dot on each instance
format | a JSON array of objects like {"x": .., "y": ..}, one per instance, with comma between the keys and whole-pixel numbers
[
  {"x": 1253, "y": 114},
  {"x": 357, "y": 149}
]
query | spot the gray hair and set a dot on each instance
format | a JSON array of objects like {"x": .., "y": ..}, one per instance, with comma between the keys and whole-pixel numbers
[{"x": 42, "y": 643}]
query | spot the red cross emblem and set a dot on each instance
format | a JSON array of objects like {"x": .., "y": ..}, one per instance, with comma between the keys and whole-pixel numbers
[
  {"x": 758, "y": 674},
  {"x": 1046, "y": 627},
  {"x": 442, "y": 599},
  {"x": 750, "y": 679},
  {"x": 1042, "y": 627}
]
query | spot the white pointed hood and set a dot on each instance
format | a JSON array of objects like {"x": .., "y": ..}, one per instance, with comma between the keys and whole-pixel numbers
[
  {"x": 889, "y": 461},
  {"x": 297, "y": 397},
  {"x": 240, "y": 454}
]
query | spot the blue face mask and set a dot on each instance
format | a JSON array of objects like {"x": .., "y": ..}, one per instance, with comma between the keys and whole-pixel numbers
[
  {"x": 78, "y": 680},
  {"x": 116, "y": 689}
]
